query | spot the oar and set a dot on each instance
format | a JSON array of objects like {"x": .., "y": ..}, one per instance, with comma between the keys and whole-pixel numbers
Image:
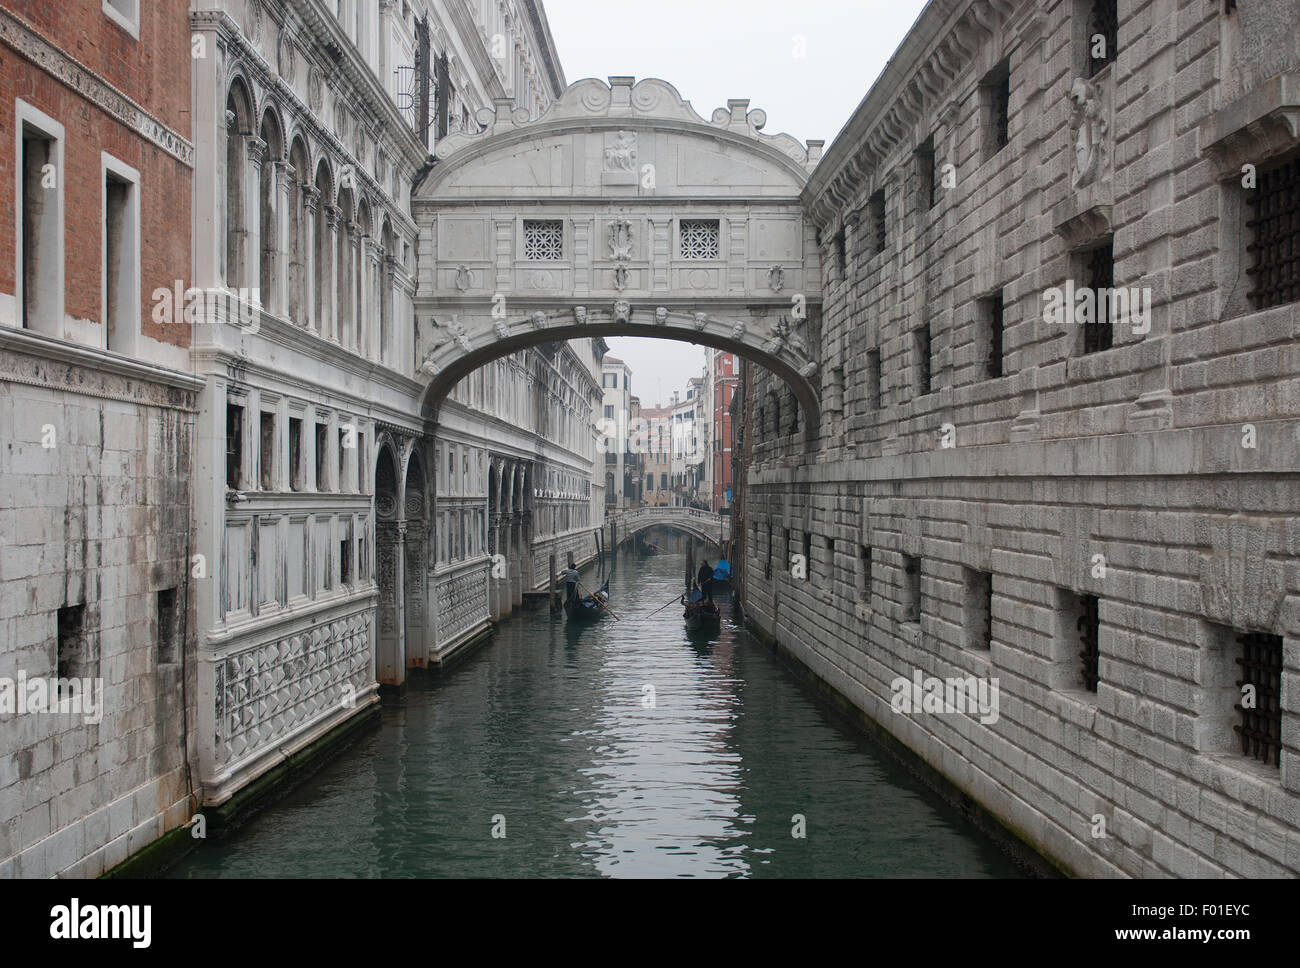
[
  {"x": 676, "y": 598},
  {"x": 597, "y": 600}
]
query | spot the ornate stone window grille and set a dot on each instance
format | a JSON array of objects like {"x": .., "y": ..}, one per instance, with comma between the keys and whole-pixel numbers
[
  {"x": 1103, "y": 22},
  {"x": 1088, "y": 625},
  {"x": 1275, "y": 231},
  {"x": 543, "y": 240},
  {"x": 700, "y": 239},
  {"x": 1261, "y": 726}
]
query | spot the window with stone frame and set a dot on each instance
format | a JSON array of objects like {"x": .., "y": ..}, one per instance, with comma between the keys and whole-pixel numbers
[
  {"x": 1241, "y": 689},
  {"x": 876, "y": 215},
  {"x": 911, "y": 590},
  {"x": 1096, "y": 267},
  {"x": 700, "y": 239},
  {"x": 992, "y": 310},
  {"x": 1102, "y": 39},
  {"x": 543, "y": 240},
  {"x": 925, "y": 180},
  {"x": 995, "y": 110},
  {"x": 874, "y": 388},
  {"x": 977, "y": 609},
  {"x": 1273, "y": 225}
]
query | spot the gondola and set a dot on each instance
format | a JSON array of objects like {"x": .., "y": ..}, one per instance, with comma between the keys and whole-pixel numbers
[
  {"x": 586, "y": 609},
  {"x": 700, "y": 614}
]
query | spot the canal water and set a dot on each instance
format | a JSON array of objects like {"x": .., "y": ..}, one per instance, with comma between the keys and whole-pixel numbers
[{"x": 623, "y": 749}]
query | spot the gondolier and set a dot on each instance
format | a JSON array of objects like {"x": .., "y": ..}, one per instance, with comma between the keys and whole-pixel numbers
[
  {"x": 704, "y": 579},
  {"x": 571, "y": 577}
]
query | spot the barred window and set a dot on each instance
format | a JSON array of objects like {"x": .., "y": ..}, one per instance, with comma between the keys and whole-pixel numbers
[
  {"x": 1099, "y": 271},
  {"x": 1275, "y": 231},
  {"x": 925, "y": 180},
  {"x": 993, "y": 360},
  {"x": 543, "y": 239},
  {"x": 700, "y": 238},
  {"x": 1088, "y": 624},
  {"x": 876, "y": 211},
  {"x": 1260, "y": 729},
  {"x": 1103, "y": 35}
]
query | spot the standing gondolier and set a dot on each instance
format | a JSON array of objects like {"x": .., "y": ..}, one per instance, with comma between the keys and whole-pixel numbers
[
  {"x": 570, "y": 576},
  {"x": 704, "y": 579}
]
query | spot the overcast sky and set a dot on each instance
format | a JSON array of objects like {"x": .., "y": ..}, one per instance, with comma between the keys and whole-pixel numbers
[{"x": 807, "y": 63}]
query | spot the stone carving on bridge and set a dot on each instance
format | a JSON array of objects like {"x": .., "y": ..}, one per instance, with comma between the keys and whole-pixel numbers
[
  {"x": 538, "y": 320},
  {"x": 428, "y": 367},
  {"x": 620, "y": 240},
  {"x": 464, "y": 278},
  {"x": 738, "y": 331},
  {"x": 701, "y": 320},
  {"x": 661, "y": 316},
  {"x": 1089, "y": 127},
  {"x": 502, "y": 328},
  {"x": 622, "y": 311},
  {"x": 776, "y": 278},
  {"x": 781, "y": 335},
  {"x": 458, "y": 333},
  {"x": 620, "y": 277},
  {"x": 580, "y": 314},
  {"x": 808, "y": 369},
  {"x": 620, "y": 151}
]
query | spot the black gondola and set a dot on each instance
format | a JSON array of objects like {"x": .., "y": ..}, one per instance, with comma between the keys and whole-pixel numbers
[
  {"x": 701, "y": 614},
  {"x": 585, "y": 609}
]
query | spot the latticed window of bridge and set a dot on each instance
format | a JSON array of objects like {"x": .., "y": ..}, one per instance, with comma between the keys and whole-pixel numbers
[
  {"x": 1103, "y": 35},
  {"x": 1260, "y": 706},
  {"x": 1275, "y": 235},
  {"x": 699, "y": 239},
  {"x": 543, "y": 239}
]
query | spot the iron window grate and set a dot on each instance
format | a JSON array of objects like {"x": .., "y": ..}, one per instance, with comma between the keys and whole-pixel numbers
[
  {"x": 876, "y": 205},
  {"x": 1002, "y": 111},
  {"x": 1099, "y": 335},
  {"x": 1275, "y": 228},
  {"x": 1261, "y": 726},
  {"x": 994, "y": 362},
  {"x": 1089, "y": 626}
]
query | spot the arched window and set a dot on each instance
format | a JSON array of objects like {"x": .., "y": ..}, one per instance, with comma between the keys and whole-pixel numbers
[
  {"x": 345, "y": 270},
  {"x": 299, "y": 226},
  {"x": 321, "y": 264},
  {"x": 238, "y": 127},
  {"x": 268, "y": 207}
]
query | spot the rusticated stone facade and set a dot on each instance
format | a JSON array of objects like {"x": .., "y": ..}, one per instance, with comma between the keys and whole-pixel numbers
[{"x": 1102, "y": 518}]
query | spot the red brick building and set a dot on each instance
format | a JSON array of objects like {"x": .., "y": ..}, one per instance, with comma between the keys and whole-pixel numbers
[{"x": 725, "y": 378}]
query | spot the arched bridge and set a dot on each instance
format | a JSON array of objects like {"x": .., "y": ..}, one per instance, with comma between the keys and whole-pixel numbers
[
  {"x": 707, "y": 525},
  {"x": 619, "y": 212}
]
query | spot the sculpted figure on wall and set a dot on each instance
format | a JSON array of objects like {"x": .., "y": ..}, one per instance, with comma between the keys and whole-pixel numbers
[
  {"x": 1089, "y": 126},
  {"x": 621, "y": 154}
]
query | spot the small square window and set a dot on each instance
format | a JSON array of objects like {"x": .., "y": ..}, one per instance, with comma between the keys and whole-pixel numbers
[
  {"x": 700, "y": 239},
  {"x": 543, "y": 240}
]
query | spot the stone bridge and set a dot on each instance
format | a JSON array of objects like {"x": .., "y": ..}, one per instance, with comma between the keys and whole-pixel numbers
[
  {"x": 706, "y": 525},
  {"x": 620, "y": 212}
]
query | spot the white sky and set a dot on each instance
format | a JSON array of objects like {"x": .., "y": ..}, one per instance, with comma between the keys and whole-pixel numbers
[{"x": 712, "y": 50}]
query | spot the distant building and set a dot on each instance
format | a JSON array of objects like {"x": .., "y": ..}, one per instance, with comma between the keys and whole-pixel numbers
[
  {"x": 724, "y": 374},
  {"x": 615, "y": 427}
]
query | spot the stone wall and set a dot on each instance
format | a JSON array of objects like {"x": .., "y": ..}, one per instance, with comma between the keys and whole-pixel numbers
[
  {"x": 963, "y": 523},
  {"x": 95, "y": 517}
]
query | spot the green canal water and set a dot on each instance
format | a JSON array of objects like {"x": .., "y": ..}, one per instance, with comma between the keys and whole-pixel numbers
[{"x": 620, "y": 749}]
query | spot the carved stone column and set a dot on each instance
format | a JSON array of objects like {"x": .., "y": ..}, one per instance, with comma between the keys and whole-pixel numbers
[
  {"x": 283, "y": 193},
  {"x": 311, "y": 206},
  {"x": 254, "y": 153},
  {"x": 329, "y": 322}
]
